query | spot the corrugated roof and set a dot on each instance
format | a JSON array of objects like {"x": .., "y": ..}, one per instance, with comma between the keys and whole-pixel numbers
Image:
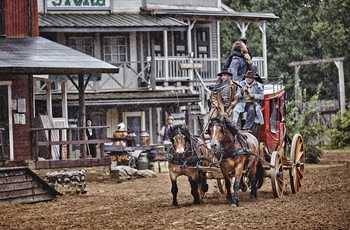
[
  {"x": 222, "y": 13},
  {"x": 107, "y": 22},
  {"x": 37, "y": 55}
]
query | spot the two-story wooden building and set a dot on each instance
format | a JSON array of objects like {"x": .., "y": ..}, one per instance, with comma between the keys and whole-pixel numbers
[{"x": 167, "y": 52}]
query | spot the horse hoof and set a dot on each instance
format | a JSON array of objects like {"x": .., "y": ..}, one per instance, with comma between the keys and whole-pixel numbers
[{"x": 234, "y": 206}]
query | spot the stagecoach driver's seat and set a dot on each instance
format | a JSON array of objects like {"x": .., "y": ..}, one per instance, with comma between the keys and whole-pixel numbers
[{"x": 250, "y": 95}]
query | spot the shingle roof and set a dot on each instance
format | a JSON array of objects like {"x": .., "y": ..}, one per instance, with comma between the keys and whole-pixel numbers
[
  {"x": 107, "y": 22},
  {"x": 37, "y": 55}
]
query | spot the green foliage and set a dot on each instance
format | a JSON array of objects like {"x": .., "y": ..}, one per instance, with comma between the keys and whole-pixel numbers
[
  {"x": 341, "y": 133},
  {"x": 306, "y": 123},
  {"x": 305, "y": 30}
]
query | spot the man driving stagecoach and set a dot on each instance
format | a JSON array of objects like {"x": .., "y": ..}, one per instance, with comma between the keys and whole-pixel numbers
[{"x": 222, "y": 98}]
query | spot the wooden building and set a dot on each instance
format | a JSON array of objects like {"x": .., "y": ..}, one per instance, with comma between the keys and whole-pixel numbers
[
  {"x": 167, "y": 51},
  {"x": 25, "y": 55},
  {"x": 139, "y": 62}
]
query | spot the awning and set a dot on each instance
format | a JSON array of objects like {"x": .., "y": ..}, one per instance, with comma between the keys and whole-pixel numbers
[
  {"x": 223, "y": 13},
  {"x": 107, "y": 23},
  {"x": 37, "y": 55}
]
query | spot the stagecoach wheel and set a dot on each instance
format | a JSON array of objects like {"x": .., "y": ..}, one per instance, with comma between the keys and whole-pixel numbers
[
  {"x": 132, "y": 162},
  {"x": 297, "y": 155},
  {"x": 221, "y": 186},
  {"x": 276, "y": 174}
]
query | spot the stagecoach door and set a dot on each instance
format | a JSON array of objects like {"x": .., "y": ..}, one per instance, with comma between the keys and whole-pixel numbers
[{"x": 5, "y": 125}]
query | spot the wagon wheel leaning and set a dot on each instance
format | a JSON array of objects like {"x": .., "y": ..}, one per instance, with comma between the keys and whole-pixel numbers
[
  {"x": 276, "y": 174},
  {"x": 132, "y": 162},
  {"x": 297, "y": 155}
]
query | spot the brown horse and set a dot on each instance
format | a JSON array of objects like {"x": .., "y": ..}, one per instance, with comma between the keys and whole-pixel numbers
[
  {"x": 184, "y": 156},
  {"x": 237, "y": 156}
]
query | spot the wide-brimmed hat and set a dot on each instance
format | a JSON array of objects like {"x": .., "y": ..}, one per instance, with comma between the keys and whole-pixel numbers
[
  {"x": 253, "y": 72},
  {"x": 225, "y": 71},
  {"x": 170, "y": 118}
]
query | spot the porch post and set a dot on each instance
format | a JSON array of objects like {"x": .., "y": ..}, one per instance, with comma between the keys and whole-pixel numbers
[
  {"x": 262, "y": 28},
  {"x": 81, "y": 119},
  {"x": 166, "y": 64},
  {"x": 339, "y": 65}
]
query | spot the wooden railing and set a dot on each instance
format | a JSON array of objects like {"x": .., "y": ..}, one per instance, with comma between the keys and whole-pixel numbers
[{"x": 58, "y": 140}]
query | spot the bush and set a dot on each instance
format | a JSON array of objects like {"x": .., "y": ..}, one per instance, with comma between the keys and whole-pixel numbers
[
  {"x": 306, "y": 123},
  {"x": 341, "y": 131}
]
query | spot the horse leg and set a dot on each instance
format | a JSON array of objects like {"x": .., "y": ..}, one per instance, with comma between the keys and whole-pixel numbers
[
  {"x": 228, "y": 189},
  {"x": 202, "y": 184},
  {"x": 174, "y": 190},
  {"x": 194, "y": 190},
  {"x": 234, "y": 201},
  {"x": 252, "y": 177}
]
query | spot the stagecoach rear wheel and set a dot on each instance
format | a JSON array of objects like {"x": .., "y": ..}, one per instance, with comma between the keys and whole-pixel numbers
[
  {"x": 276, "y": 174},
  {"x": 297, "y": 155}
]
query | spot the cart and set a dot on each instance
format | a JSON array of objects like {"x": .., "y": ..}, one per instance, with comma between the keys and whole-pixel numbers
[{"x": 277, "y": 151}]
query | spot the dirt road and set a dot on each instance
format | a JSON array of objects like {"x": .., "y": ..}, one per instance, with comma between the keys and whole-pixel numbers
[{"x": 324, "y": 203}]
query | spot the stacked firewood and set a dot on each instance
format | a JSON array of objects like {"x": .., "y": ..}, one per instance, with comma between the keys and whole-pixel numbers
[{"x": 67, "y": 182}]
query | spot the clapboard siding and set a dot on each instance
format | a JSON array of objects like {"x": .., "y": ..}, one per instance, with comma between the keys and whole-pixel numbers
[
  {"x": 126, "y": 6},
  {"x": 21, "y": 185}
]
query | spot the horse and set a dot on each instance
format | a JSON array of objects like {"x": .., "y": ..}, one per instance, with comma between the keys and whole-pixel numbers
[
  {"x": 184, "y": 155},
  {"x": 238, "y": 155}
]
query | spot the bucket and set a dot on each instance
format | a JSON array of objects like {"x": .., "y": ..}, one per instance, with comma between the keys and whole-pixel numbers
[
  {"x": 144, "y": 138},
  {"x": 142, "y": 162}
]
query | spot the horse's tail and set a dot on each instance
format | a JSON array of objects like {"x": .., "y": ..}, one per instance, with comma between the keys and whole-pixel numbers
[{"x": 260, "y": 174}]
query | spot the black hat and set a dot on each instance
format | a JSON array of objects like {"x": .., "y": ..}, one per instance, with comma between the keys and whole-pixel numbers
[
  {"x": 253, "y": 72},
  {"x": 243, "y": 39},
  {"x": 225, "y": 71}
]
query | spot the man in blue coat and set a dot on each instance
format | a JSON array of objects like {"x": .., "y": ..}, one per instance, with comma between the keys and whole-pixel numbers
[{"x": 250, "y": 95}]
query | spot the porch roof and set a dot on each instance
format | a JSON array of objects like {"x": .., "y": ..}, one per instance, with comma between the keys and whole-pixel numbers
[
  {"x": 37, "y": 55},
  {"x": 223, "y": 13},
  {"x": 107, "y": 23}
]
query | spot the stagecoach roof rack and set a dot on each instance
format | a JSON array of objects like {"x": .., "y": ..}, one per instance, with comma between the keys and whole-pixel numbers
[{"x": 272, "y": 87}]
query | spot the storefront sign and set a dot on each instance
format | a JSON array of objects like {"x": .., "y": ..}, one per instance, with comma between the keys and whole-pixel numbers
[{"x": 78, "y": 4}]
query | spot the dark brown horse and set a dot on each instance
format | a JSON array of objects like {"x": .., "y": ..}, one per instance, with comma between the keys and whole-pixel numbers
[
  {"x": 237, "y": 156},
  {"x": 184, "y": 156}
]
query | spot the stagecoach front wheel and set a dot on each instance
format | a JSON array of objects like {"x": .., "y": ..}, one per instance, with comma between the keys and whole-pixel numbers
[
  {"x": 297, "y": 155},
  {"x": 276, "y": 174}
]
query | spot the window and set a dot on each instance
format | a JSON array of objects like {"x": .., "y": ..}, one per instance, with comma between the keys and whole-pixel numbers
[
  {"x": 82, "y": 44},
  {"x": 115, "y": 49}
]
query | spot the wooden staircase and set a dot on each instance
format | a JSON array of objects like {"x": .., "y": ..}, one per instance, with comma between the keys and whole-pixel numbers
[{"x": 22, "y": 185}]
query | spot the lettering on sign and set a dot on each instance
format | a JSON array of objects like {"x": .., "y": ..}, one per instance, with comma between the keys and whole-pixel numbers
[
  {"x": 191, "y": 65},
  {"x": 78, "y": 4}
]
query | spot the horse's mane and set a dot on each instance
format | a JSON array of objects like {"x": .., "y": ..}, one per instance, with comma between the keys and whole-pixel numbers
[
  {"x": 221, "y": 121},
  {"x": 179, "y": 129}
]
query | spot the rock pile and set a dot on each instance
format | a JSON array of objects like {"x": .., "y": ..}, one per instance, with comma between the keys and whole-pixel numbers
[{"x": 67, "y": 182}]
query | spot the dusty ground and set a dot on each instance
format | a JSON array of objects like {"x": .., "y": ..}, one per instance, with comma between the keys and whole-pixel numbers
[{"x": 324, "y": 203}]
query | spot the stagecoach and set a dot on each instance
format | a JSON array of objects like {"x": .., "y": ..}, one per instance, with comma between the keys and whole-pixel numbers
[
  {"x": 244, "y": 155},
  {"x": 277, "y": 151}
]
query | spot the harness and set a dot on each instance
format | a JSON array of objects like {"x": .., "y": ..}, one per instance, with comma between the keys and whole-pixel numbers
[{"x": 189, "y": 157}]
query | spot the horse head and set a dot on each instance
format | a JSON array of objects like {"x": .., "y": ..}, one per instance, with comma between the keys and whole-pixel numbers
[
  {"x": 179, "y": 136},
  {"x": 219, "y": 133}
]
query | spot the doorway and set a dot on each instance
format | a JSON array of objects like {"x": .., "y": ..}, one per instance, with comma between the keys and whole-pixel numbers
[{"x": 4, "y": 122}]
